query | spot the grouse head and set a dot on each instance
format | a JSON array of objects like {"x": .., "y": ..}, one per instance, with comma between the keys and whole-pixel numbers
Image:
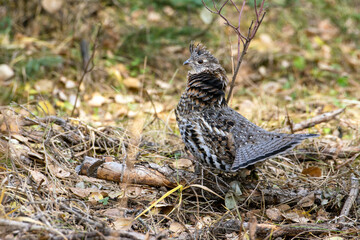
[{"x": 201, "y": 59}]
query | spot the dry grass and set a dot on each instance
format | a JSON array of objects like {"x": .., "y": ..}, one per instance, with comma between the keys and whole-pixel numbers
[{"x": 44, "y": 196}]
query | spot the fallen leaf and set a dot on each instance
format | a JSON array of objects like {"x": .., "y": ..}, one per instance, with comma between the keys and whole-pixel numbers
[
  {"x": 163, "y": 85},
  {"x": 274, "y": 214},
  {"x": 153, "y": 16},
  {"x": 283, "y": 207},
  {"x": 307, "y": 201},
  {"x": 95, "y": 197},
  {"x": 131, "y": 82},
  {"x": 113, "y": 212},
  {"x": 322, "y": 215},
  {"x": 80, "y": 192},
  {"x": 328, "y": 31},
  {"x": 6, "y": 72},
  {"x": 97, "y": 100},
  {"x": 115, "y": 194},
  {"x": 58, "y": 171},
  {"x": 39, "y": 177},
  {"x": 46, "y": 108},
  {"x": 296, "y": 216},
  {"x": 44, "y": 85},
  {"x": 182, "y": 163},
  {"x": 123, "y": 223},
  {"x": 52, "y": 6},
  {"x": 9, "y": 123},
  {"x": 149, "y": 107},
  {"x": 312, "y": 172},
  {"x": 124, "y": 99},
  {"x": 176, "y": 227}
]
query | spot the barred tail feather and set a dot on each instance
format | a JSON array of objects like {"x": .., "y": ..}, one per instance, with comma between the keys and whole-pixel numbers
[{"x": 250, "y": 154}]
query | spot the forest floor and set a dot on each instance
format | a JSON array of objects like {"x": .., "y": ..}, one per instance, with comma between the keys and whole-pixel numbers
[{"x": 114, "y": 166}]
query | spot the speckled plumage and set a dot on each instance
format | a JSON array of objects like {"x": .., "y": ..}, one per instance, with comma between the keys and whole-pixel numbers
[{"x": 214, "y": 133}]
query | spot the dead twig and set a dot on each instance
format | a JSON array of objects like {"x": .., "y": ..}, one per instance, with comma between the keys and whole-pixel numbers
[
  {"x": 350, "y": 160},
  {"x": 272, "y": 231},
  {"x": 325, "y": 117},
  {"x": 86, "y": 69},
  {"x": 243, "y": 40},
  {"x": 354, "y": 191}
]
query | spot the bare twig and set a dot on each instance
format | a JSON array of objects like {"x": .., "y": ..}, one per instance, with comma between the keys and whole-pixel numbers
[
  {"x": 325, "y": 117},
  {"x": 354, "y": 191},
  {"x": 242, "y": 39},
  {"x": 348, "y": 161},
  {"x": 86, "y": 69}
]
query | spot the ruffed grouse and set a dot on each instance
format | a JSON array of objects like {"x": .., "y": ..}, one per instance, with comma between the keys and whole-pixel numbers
[{"x": 216, "y": 135}]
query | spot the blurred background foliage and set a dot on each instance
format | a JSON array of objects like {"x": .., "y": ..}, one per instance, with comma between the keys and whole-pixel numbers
[{"x": 305, "y": 50}]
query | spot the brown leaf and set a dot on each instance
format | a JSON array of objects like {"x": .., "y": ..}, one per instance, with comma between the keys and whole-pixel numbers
[
  {"x": 274, "y": 214},
  {"x": 312, "y": 171},
  {"x": 80, "y": 192},
  {"x": 5, "y": 73},
  {"x": 131, "y": 82},
  {"x": 58, "y": 171},
  {"x": 39, "y": 177},
  {"x": 44, "y": 85},
  {"x": 9, "y": 123},
  {"x": 296, "y": 216},
  {"x": 52, "y": 6},
  {"x": 176, "y": 227},
  {"x": 182, "y": 163},
  {"x": 328, "y": 31},
  {"x": 123, "y": 223},
  {"x": 307, "y": 201}
]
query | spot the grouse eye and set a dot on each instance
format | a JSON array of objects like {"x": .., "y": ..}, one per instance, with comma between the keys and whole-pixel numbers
[{"x": 200, "y": 61}]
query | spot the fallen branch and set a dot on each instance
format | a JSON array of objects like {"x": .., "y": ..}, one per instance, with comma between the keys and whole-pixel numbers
[
  {"x": 8, "y": 226},
  {"x": 268, "y": 231},
  {"x": 139, "y": 174},
  {"x": 151, "y": 174},
  {"x": 350, "y": 160},
  {"x": 330, "y": 152},
  {"x": 325, "y": 117},
  {"x": 354, "y": 191}
]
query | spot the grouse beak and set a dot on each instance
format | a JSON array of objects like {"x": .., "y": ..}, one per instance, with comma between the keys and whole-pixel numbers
[{"x": 187, "y": 62}]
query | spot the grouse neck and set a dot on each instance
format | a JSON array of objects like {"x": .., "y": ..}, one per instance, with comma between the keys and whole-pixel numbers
[{"x": 207, "y": 89}]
